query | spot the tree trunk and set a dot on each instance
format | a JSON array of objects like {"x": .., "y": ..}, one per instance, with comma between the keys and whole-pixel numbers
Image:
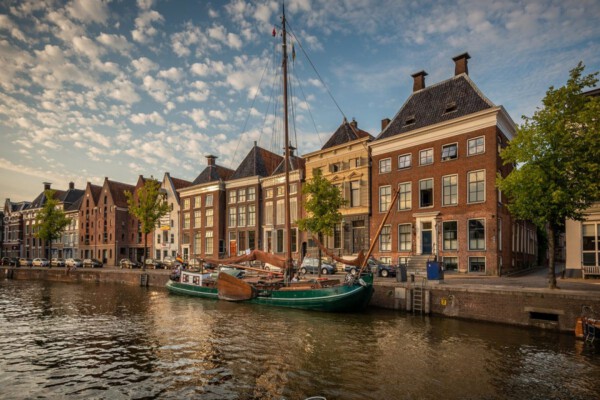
[
  {"x": 145, "y": 252},
  {"x": 551, "y": 270},
  {"x": 319, "y": 254}
]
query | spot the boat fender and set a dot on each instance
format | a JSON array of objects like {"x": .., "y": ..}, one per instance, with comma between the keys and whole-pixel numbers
[{"x": 362, "y": 282}]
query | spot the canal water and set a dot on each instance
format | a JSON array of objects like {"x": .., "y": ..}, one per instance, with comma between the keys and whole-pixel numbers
[{"x": 101, "y": 341}]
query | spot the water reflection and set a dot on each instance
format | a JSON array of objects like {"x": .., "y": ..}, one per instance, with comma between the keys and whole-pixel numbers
[{"x": 116, "y": 341}]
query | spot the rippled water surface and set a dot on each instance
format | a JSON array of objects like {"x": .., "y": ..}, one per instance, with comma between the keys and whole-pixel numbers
[{"x": 61, "y": 340}]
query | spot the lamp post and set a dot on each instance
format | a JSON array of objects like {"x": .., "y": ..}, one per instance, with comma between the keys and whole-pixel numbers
[{"x": 438, "y": 231}]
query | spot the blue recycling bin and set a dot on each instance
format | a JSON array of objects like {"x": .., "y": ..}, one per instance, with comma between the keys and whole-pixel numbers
[{"x": 434, "y": 271}]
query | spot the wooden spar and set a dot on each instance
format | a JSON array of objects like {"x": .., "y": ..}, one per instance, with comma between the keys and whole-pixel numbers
[
  {"x": 364, "y": 263},
  {"x": 231, "y": 288},
  {"x": 254, "y": 269},
  {"x": 288, "y": 229}
]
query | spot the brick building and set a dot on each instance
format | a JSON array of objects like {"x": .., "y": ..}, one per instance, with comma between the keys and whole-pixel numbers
[
  {"x": 441, "y": 153},
  {"x": 203, "y": 207},
  {"x": 344, "y": 161},
  {"x": 13, "y": 228},
  {"x": 106, "y": 231}
]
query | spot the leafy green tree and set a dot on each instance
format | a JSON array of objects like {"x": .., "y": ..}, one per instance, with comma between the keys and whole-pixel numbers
[
  {"x": 322, "y": 205},
  {"x": 557, "y": 157},
  {"x": 148, "y": 206},
  {"x": 51, "y": 221}
]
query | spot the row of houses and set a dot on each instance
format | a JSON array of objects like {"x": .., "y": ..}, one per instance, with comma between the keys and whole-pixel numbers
[{"x": 440, "y": 152}]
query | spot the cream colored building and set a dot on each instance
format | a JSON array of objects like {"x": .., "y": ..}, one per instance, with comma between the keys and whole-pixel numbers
[
  {"x": 583, "y": 243},
  {"x": 344, "y": 161}
]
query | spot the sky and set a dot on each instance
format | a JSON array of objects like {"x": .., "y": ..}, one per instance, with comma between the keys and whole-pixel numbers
[{"x": 119, "y": 88}]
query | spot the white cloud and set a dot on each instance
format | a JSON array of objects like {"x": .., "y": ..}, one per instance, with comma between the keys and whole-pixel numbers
[
  {"x": 115, "y": 42},
  {"x": 97, "y": 138},
  {"x": 89, "y": 10},
  {"x": 143, "y": 65},
  {"x": 86, "y": 46},
  {"x": 218, "y": 114},
  {"x": 173, "y": 74},
  {"x": 142, "y": 119},
  {"x": 199, "y": 117},
  {"x": 123, "y": 90},
  {"x": 156, "y": 88},
  {"x": 144, "y": 29},
  {"x": 199, "y": 69},
  {"x": 8, "y": 25}
]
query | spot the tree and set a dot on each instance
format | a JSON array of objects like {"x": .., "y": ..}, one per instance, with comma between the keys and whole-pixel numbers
[
  {"x": 323, "y": 202},
  {"x": 51, "y": 221},
  {"x": 556, "y": 153},
  {"x": 148, "y": 206}
]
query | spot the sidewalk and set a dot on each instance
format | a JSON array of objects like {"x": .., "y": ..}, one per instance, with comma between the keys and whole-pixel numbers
[{"x": 537, "y": 278}]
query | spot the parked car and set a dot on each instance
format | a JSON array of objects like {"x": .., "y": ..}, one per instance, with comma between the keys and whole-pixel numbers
[
  {"x": 25, "y": 262},
  {"x": 73, "y": 262},
  {"x": 40, "y": 262},
  {"x": 169, "y": 261},
  {"x": 10, "y": 261},
  {"x": 92, "y": 263},
  {"x": 154, "y": 263},
  {"x": 311, "y": 265},
  {"x": 57, "y": 262},
  {"x": 127, "y": 263},
  {"x": 383, "y": 270}
]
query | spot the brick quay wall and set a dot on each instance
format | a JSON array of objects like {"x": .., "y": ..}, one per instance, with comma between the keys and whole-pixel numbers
[{"x": 528, "y": 307}]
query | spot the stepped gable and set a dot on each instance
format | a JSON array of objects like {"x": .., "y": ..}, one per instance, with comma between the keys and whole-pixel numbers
[
  {"x": 259, "y": 162},
  {"x": 117, "y": 191},
  {"x": 96, "y": 191},
  {"x": 213, "y": 172},
  {"x": 346, "y": 132},
  {"x": 444, "y": 101}
]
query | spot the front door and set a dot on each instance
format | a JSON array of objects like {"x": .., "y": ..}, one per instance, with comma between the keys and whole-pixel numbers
[{"x": 426, "y": 238}]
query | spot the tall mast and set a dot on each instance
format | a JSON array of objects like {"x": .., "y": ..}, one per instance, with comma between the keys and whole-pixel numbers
[{"x": 288, "y": 230}]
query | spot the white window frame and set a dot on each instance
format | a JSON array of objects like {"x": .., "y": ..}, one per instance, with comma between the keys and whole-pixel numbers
[
  {"x": 476, "y": 147},
  {"x": 450, "y": 186},
  {"x": 448, "y": 145},
  {"x": 409, "y": 248},
  {"x": 388, "y": 195},
  {"x": 388, "y": 243},
  {"x": 469, "y": 234},
  {"x": 444, "y": 236},
  {"x": 385, "y": 165},
  {"x": 432, "y": 193},
  {"x": 405, "y": 197},
  {"x": 405, "y": 159},
  {"x": 476, "y": 182},
  {"x": 429, "y": 155}
]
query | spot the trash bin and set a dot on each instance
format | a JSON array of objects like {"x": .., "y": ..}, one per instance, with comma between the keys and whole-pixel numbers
[
  {"x": 401, "y": 273},
  {"x": 434, "y": 271}
]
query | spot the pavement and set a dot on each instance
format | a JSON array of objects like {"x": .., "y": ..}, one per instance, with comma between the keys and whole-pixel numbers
[{"x": 536, "y": 278}]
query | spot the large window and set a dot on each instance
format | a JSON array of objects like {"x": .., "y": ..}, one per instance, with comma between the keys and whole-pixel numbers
[
  {"x": 186, "y": 204},
  {"x": 280, "y": 212},
  {"x": 251, "y": 215},
  {"x": 450, "y": 263},
  {"x": 242, "y": 195},
  {"x": 186, "y": 220},
  {"x": 476, "y": 264},
  {"x": 476, "y": 234},
  {"x": 385, "y": 197},
  {"x": 232, "y": 217},
  {"x": 591, "y": 244},
  {"x": 251, "y": 194},
  {"x": 426, "y": 157},
  {"x": 337, "y": 236},
  {"x": 450, "y": 190},
  {"x": 242, "y": 216},
  {"x": 197, "y": 219},
  {"x": 279, "y": 243},
  {"x": 385, "y": 238},
  {"x": 209, "y": 200},
  {"x": 354, "y": 193},
  {"x": 269, "y": 213},
  {"x": 404, "y": 237},
  {"x": 208, "y": 245},
  {"x": 449, "y": 152},
  {"x": 405, "y": 196},
  {"x": 476, "y": 186},
  {"x": 450, "y": 234},
  {"x": 404, "y": 161},
  {"x": 197, "y": 202},
  {"x": 233, "y": 196},
  {"x": 476, "y": 146},
  {"x": 426, "y": 193},
  {"x": 197, "y": 243},
  {"x": 385, "y": 165},
  {"x": 209, "y": 217}
]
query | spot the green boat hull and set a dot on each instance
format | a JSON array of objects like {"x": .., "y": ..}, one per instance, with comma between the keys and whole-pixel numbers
[{"x": 340, "y": 298}]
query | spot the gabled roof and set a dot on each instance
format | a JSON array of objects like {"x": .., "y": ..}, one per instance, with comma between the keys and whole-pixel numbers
[
  {"x": 96, "y": 191},
  {"x": 72, "y": 195},
  {"x": 258, "y": 162},
  {"x": 444, "y": 101},
  {"x": 41, "y": 199},
  {"x": 213, "y": 173},
  {"x": 346, "y": 132},
  {"x": 295, "y": 163},
  {"x": 117, "y": 191},
  {"x": 180, "y": 183},
  {"x": 75, "y": 205}
]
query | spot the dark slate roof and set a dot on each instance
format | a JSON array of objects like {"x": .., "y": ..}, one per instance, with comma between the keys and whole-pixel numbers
[
  {"x": 72, "y": 195},
  {"x": 428, "y": 106},
  {"x": 180, "y": 183},
  {"x": 40, "y": 200},
  {"x": 213, "y": 173},
  {"x": 117, "y": 191},
  {"x": 75, "y": 205},
  {"x": 259, "y": 162},
  {"x": 295, "y": 163},
  {"x": 344, "y": 134},
  {"x": 96, "y": 191}
]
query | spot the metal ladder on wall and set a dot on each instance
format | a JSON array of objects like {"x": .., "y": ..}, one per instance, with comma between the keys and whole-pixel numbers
[{"x": 418, "y": 298}]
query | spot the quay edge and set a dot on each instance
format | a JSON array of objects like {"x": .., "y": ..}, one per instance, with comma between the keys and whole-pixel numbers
[{"x": 528, "y": 307}]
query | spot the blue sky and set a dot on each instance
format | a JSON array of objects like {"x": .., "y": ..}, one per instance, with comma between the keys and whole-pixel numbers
[{"x": 119, "y": 88}]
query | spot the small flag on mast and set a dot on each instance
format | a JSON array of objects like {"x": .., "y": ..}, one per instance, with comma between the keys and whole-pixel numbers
[{"x": 274, "y": 32}]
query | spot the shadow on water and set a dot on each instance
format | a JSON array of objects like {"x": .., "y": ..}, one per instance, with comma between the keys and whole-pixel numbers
[{"x": 115, "y": 341}]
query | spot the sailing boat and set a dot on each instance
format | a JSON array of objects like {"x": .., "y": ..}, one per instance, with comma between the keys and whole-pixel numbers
[{"x": 329, "y": 295}]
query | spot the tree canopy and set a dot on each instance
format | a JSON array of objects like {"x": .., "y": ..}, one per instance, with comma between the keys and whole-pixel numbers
[
  {"x": 148, "y": 206},
  {"x": 51, "y": 220},
  {"x": 556, "y": 153}
]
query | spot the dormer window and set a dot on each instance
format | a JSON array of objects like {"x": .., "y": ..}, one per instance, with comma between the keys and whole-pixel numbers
[
  {"x": 450, "y": 107},
  {"x": 410, "y": 120}
]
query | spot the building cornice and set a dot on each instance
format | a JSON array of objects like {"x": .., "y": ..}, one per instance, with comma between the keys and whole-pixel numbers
[
  {"x": 336, "y": 149},
  {"x": 236, "y": 183},
  {"x": 203, "y": 188}
]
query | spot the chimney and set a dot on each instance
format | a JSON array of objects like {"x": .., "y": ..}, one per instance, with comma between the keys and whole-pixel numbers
[
  {"x": 71, "y": 185},
  {"x": 210, "y": 160},
  {"x": 384, "y": 123},
  {"x": 460, "y": 64},
  {"x": 419, "y": 80},
  {"x": 47, "y": 185},
  {"x": 354, "y": 124}
]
